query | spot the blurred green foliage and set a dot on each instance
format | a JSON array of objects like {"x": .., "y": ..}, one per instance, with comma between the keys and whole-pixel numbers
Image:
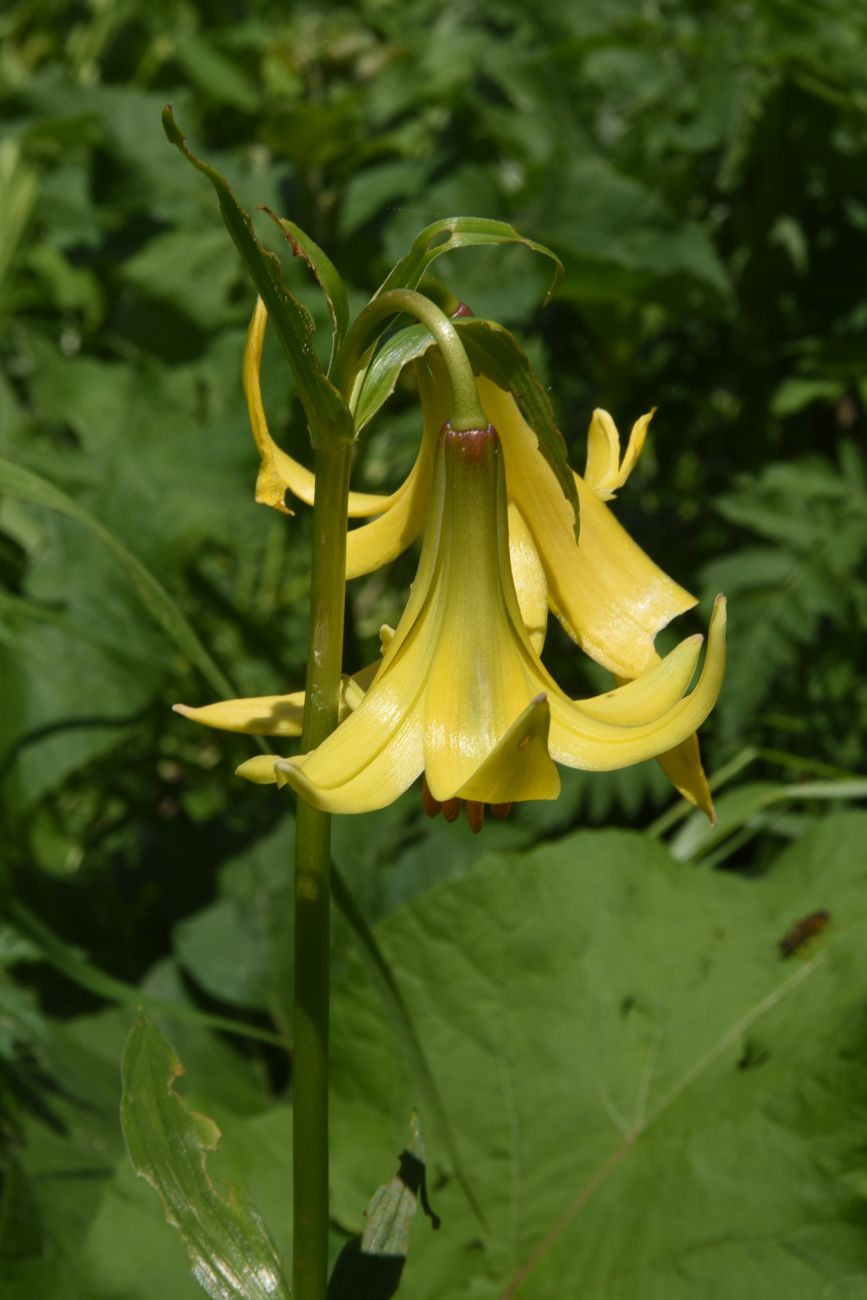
[{"x": 700, "y": 169}]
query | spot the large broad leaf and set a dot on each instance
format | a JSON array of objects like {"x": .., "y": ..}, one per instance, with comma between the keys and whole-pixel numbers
[
  {"x": 327, "y": 414},
  {"x": 16, "y": 481},
  {"x": 240, "y": 948},
  {"x": 620, "y": 239},
  {"x": 653, "y": 1101},
  {"x": 231, "y": 1253}
]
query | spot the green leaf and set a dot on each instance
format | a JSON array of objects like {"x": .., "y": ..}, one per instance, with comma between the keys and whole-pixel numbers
[
  {"x": 327, "y": 413},
  {"x": 460, "y": 232},
  {"x": 240, "y": 948},
  {"x": 382, "y": 977},
  {"x": 16, "y": 481},
  {"x": 737, "y": 809},
  {"x": 621, "y": 240},
  {"x": 17, "y": 198},
  {"x": 371, "y": 1266},
  {"x": 231, "y": 1254},
  {"x": 215, "y": 75},
  {"x": 381, "y": 376},
  {"x": 74, "y": 965},
  {"x": 646, "y": 1087},
  {"x": 188, "y": 269},
  {"x": 327, "y": 276}
]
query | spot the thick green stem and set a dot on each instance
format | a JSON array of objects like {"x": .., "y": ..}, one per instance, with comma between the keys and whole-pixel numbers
[
  {"x": 312, "y": 886},
  {"x": 467, "y": 412}
]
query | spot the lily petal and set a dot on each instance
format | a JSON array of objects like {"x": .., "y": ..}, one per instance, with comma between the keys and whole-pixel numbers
[
  {"x": 604, "y": 470},
  {"x": 578, "y": 740},
  {"x": 682, "y": 765},
  {"x": 372, "y": 756},
  {"x": 279, "y": 715},
  {"x": 519, "y": 767},
  {"x": 381, "y": 541},
  {"x": 279, "y": 472},
  {"x": 531, "y": 585},
  {"x": 643, "y": 699},
  {"x": 610, "y": 597},
  {"x": 262, "y": 715},
  {"x": 260, "y": 770}
]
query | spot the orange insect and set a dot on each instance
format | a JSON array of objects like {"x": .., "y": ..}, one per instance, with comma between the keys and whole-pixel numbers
[{"x": 793, "y": 940}]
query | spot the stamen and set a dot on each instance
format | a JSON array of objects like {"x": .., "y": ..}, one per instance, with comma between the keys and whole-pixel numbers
[
  {"x": 475, "y": 815},
  {"x": 451, "y": 808},
  {"x": 431, "y": 805}
]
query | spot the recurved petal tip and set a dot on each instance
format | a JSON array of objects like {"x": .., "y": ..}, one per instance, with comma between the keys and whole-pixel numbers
[
  {"x": 263, "y": 715},
  {"x": 519, "y": 767},
  {"x": 261, "y": 770}
]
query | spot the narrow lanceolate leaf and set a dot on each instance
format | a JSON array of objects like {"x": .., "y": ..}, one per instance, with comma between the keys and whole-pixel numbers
[
  {"x": 327, "y": 413},
  {"x": 460, "y": 232},
  {"x": 16, "y": 481},
  {"x": 74, "y": 964},
  {"x": 231, "y": 1254},
  {"x": 327, "y": 276},
  {"x": 495, "y": 352},
  {"x": 744, "y": 807},
  {"x": 369, "y": 1267},
  {"x": 381, "y": 376}
]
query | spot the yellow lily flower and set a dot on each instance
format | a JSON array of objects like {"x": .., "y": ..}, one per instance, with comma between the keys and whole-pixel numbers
[
  {"x": 462, "y": 695},
  {"x": 607, "y": 593}
]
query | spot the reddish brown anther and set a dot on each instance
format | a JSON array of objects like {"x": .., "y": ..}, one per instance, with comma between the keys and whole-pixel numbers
[
  {"x": 475, "y": 815},
  {"x": 431, "y": 805},
  {"x": 451, "y": 808}
]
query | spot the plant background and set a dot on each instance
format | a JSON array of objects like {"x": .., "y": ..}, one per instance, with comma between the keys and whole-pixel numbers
[{"x": 700, "y": 169}]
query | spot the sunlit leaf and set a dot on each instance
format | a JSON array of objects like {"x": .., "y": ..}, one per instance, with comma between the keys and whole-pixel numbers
[
  {"x": 327, "y": 276},
  {"x": 370, "y": 1267},
  {"x": 460, "y": 232},
  {"x": 231, "y": 1254},
  {"x": 381, "y": 376},
  {"x": 327, "y": 414},
  {"x": 609, "y": 1023}
]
